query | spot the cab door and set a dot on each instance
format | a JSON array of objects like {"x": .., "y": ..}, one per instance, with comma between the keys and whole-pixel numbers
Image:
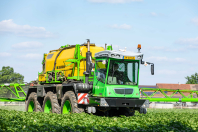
[{"x": 100, "y": 77}]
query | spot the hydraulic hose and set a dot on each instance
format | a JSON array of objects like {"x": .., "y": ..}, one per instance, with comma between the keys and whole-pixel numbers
[{"x": 59, "y": 54}]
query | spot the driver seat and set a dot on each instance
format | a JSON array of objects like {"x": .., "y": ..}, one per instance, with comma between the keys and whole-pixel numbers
[{"x": 112, "y": 80}]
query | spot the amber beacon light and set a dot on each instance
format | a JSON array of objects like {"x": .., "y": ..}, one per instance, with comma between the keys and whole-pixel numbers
[{"x": 139, "y": 47}]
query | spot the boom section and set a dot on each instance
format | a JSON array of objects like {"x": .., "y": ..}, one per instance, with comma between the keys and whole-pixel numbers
[
  {"x": 170, "y": 95},
  {"x": 13, "y": 92}
]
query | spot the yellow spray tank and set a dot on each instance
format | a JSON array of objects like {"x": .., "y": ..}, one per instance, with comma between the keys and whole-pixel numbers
[{"x": 68, "y": 63}]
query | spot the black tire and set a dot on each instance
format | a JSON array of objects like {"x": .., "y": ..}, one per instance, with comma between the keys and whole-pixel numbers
[
  {"x": 33, "y": 98},
  {"x": 70, "y": 96},
  {"x": 55, "y": 107},
  {"x": 144, "y": 110}
]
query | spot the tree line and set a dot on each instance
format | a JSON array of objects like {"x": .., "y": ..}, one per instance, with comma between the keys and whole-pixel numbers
[{"x": 7, "y": 75}]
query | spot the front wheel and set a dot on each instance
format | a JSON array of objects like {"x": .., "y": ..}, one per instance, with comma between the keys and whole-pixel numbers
[
  {"x": 69, "y": 104},
  {"x": 32, "y": 104},
  {"x": 50, "y": 103},
  {"x": 127, "y": 111},
  {"x": 142, "y": 110}
]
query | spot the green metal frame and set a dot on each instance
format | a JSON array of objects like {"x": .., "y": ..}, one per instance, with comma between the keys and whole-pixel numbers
[
  {"x": 55, "y": 79},
  {"x": 169, "y": 98},
  {"x": 76, "y": 61},
  {"x": 16, "y": 93}
]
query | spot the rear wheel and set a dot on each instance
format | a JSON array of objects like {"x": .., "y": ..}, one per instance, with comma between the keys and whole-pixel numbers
[
  {"x": 32, "y": 104},
  {"x": 69, "y": 104},
  {"x": 50, "y": 103}
]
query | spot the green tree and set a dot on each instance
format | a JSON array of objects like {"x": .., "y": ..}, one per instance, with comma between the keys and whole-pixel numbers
[
  {"x": 7, "y": 75},
  {"x": 192, "y": 79}
]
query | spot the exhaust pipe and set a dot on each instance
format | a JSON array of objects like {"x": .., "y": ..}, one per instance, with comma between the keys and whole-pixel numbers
[
  {"x": 88, "y": 45},
  {"x": 88, "y": 62}
]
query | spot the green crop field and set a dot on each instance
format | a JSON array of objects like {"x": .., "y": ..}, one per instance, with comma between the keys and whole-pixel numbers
[{"x": 156, "y": 120}]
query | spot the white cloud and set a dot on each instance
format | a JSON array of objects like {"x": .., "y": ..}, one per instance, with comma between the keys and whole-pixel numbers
[
  {"x": 195, "y": 20},
  {"x": 31, "y": 56},
  {"x": 28, "y": 45},
  {"x": 5, "y": 54},
  {"x": 123, "y": 26},
  {"x": 8, "y": 26},
  {"x": 169, "y": 72},
  {"x": 193, "y": 46},
  {"x": 114, "y": 1},
  {"x": 193, "y": 41},
  {"x": 167, "y": 59},
  {"x": 179, "y": 59},
  {"x": 153, "y": 14},
  {"x": 158, "y": 58},
  {"x": 158, "y": 48},
  {"x": 175, "y": 49},
  {"x": 163, "y": 48}
]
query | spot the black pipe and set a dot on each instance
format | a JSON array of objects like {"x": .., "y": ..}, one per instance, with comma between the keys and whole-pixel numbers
[
  {"x": 83, "y": 87},
  {"x": 59, "y": 54},
  {"x": 88, "y": 62}
]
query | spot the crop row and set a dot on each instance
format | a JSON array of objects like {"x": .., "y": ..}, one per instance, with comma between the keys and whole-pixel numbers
[{"x": 155, "y": 120}]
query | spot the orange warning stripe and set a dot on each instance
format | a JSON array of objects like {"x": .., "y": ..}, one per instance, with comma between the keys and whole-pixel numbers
[{"x": 81, "y": 97}]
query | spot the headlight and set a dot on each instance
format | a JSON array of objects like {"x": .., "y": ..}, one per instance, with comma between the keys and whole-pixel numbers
[
  {"x": 112, "y": 55},
  {"x": 117, "y": 55},
  {"x": 139, "y": 57}
]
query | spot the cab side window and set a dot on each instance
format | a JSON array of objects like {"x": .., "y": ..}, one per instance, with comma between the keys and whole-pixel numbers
[{"x": 101, "y": 69}]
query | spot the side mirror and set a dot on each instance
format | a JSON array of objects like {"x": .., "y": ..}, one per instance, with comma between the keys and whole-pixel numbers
[
  {"x": 142, "y": 62},
  {"x": 152, "y": 69}
]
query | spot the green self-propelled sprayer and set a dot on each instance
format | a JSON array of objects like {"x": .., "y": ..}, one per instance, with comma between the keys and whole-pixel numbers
[{"x": 86, "y": 78}]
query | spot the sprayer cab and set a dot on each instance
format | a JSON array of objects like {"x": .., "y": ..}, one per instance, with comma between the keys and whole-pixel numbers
[
  {"x": 116, "y": 77},
  {"x": 117, "y": 67}
]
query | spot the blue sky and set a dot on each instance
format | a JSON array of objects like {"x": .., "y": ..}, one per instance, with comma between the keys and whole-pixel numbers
[{"x": 167, "y": 31}]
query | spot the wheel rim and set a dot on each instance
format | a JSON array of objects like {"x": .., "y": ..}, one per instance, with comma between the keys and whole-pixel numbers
[
  {"x": 48, "y": 107},
  {"x": 66, "y": 107},
  {"x": 31, "y": 106}
]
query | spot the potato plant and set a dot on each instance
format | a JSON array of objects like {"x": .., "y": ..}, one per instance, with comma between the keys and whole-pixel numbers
[{"x": 157, "y": 120}]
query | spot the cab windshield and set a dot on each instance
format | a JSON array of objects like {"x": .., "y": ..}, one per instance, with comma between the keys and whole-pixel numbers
[{"x": 122, "y": 72}]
